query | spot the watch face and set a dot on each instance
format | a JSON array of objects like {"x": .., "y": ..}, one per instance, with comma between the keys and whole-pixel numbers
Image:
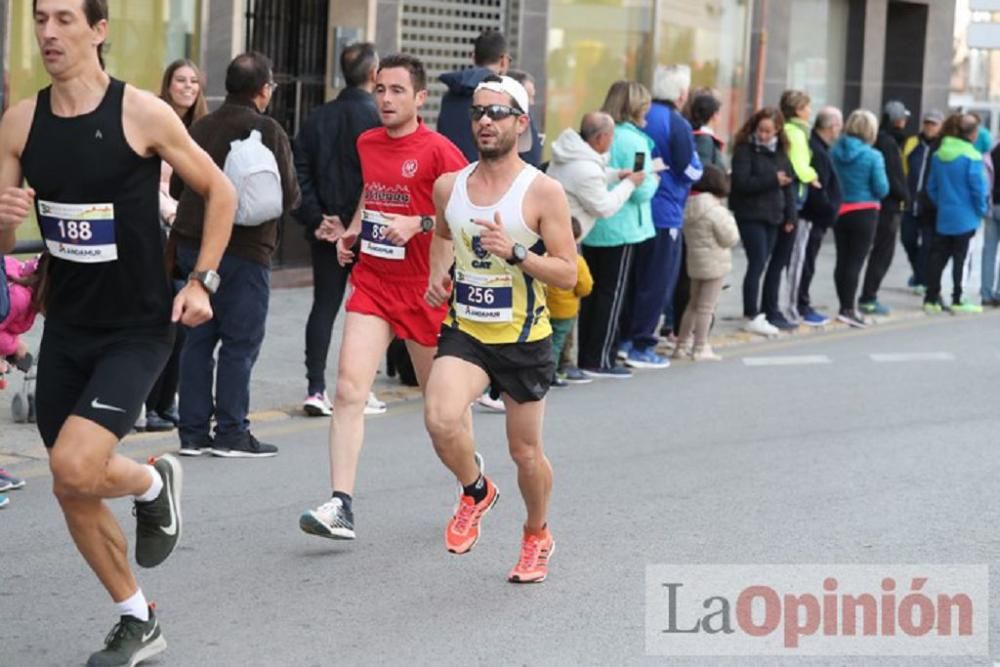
[
  {"x": 427, "y": 223},
  {"x": 520, "y": 252}
]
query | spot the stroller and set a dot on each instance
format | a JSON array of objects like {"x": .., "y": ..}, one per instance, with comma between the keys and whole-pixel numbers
[{"x": 22, "y": 405}]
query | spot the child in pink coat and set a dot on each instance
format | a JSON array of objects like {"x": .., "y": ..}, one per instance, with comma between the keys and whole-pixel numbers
[{"x": 20, "y": 282}]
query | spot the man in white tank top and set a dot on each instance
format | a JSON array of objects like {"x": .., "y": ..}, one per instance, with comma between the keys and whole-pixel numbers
[{"x": 506, "y": 227}]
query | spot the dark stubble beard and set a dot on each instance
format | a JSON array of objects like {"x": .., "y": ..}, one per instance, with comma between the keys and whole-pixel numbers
[{"x": 504, "y": 145}]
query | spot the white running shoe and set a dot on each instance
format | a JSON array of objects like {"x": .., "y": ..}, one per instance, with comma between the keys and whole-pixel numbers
[
  {"x": 491, "y": 404},
  {"x": 318, "y": 405},
  {"x": 374, "y": 406},
  {"x": 331, "y": 520},
  {"x": 760, "y": 326}
]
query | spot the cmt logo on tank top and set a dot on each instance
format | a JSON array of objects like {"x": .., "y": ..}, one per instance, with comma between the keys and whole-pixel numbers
[
  {"x": 397, "y": 195},
  {"x": 475, "y": 246},
  {"x": 410, "y": 168}
]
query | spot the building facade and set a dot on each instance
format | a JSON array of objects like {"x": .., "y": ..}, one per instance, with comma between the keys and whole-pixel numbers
[{"x": 850, "y": 53}]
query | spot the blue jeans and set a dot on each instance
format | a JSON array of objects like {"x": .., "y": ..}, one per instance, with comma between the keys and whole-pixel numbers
[
  {"x": 991, "y": 237},
  {"x": 655, "y": 269},
  {"x": 237, "y": 328}
]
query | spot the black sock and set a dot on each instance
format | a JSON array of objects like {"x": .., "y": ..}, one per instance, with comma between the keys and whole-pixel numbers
[
  {"x": 477, "y": 489},
  {"x": 344, "y": 498}
]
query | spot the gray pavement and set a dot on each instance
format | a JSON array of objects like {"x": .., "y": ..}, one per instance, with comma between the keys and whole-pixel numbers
[
  {"x": 847, "y": 461},
  {"x": 279, "y": 386}
]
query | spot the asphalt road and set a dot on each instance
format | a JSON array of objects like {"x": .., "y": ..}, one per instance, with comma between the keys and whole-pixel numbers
[{"x": 824, "y": 455}]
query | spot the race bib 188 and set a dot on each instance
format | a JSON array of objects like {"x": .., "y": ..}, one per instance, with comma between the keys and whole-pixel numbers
[
  {"x": 83, "y": 233},
  {"x": 484, "y": 298},
  {"x": 373, "y": 241}
]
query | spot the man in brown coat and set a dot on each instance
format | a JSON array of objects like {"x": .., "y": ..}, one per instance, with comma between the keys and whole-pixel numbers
[{"x": 241, "y": 300}]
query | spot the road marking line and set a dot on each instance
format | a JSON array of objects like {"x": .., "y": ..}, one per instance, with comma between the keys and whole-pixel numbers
[
  {"x": 912, "y": 356},
  {"x": 800, "y": 360}
]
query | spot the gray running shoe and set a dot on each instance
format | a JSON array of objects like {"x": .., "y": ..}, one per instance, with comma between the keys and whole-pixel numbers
[
  {"x": 158, "y": 522},
  {"x": 331, "y": 520},
  {"x": 130, "y": 642}
]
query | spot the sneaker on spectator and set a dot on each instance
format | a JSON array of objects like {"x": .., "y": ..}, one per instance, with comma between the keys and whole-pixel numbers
[
  {"x": 374, "y": 406},
  {"x": 933, "y": 307},
  {"x": 614, "y": 373},
  {"x": 705, "y": 353},
  {"x": 5, "y": 485},
  {"x": 814, "y": 319},
  {"x": 646, "y": 359},
  {"x": 4, "y": 500},
  {"x": 491, "y": 404},
  {"x": 852, "y": 318},
  {"x": 157, "y": 424},
  {"x": 574, "y": 375},
  {"x": 920, "y": 290},
  {"x": 779, "y": 321},
  {"x": 15, "y": 482},
  {"x": 760, "y": 326},
  {"x": 873, "y": 308},
  {"x": 317, "y": 405},
  {"x": 559, "y": 381},
  {"x": 965, "y": 306},
  {"x": 623, "y": 350}
]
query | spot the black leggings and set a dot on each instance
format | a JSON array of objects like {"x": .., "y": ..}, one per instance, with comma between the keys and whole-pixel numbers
[
  {"x": 944, "y": 248},
  {"x": 758, "y": 243},
  {"x": 329, "y": 285},
  {"x": 854, "y": 233}
]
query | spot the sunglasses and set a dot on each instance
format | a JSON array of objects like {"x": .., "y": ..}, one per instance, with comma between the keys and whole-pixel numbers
[{"x": 493, "y": 111}]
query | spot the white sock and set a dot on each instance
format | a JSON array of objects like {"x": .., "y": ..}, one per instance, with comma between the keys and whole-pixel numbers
[
  {"x": 134, "y": 606},
  {"x": 154, "y": 488}
]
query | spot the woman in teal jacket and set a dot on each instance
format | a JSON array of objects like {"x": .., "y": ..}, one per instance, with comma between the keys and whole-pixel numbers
[{"x": 609, "y": 246}]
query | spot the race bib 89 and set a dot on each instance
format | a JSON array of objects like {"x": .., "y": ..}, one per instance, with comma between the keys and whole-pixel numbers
[
  {"x": 82, "y": 233},
  {"x": 484, "y": 297},
  {"x": 373, "y": 241}
]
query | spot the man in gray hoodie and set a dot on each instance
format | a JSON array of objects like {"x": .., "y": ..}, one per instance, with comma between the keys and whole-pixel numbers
[{"x": 491, "y": 57}]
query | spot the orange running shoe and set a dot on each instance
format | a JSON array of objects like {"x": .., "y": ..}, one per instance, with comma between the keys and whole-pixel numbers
[
  {"x": 462, "y": 532},
  {"x": 533, "y": 566}
]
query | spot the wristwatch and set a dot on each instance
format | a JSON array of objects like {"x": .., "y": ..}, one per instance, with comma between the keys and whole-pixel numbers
[
  {"x": 210, "y": 280},
  {"x": 517, "y": 254},
  {"x": 426, "y": 223}
]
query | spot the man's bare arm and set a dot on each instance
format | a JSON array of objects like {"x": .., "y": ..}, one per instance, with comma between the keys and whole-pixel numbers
[
  {"x": 15, "y": 200},
  {"x": 442, "y": 247},
  {"x": 557, "y": 267},
  {"x": 170, "y": 139}
]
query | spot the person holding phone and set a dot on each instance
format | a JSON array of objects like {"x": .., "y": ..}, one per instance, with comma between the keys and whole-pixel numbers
[{"x": 609, "y": 246}]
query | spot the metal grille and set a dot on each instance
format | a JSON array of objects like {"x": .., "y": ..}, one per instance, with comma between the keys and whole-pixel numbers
[
  {"x": 441, "y": 33},
  {"x": 293, "y": 35}
]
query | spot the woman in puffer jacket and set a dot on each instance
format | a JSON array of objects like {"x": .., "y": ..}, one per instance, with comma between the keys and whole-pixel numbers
[
  {"x": 763, "y": 200},
  {"x": 710, "y": 233},
  {"x": 864, "y": 183}
]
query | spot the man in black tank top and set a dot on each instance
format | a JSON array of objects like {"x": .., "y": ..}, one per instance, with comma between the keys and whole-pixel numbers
[{"x": 89, "y": 148}]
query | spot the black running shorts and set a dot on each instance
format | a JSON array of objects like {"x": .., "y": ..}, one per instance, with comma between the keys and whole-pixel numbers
[
  {"x": 102, "y": 375},
  {"x": 524, "y": 371}
]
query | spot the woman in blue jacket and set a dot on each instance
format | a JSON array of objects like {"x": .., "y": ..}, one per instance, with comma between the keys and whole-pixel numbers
[
  {"x": 957, "y": 186},
  {"x": 609, "y": 246},
  {"x": 864, "y": 183}
]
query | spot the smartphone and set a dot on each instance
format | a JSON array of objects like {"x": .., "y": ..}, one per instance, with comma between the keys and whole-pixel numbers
[{"x": 640, "y": 162}]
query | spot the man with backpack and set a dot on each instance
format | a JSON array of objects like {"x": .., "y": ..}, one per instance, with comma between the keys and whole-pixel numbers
[{"x": 256, "y": 155}]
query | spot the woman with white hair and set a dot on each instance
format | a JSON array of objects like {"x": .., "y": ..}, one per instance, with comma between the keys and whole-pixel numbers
[{"x": 864, "y": 183}]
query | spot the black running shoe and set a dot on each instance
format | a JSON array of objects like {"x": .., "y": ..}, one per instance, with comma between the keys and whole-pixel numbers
[
  {"x": 246, "y": 448},
  {"x": 158, "y": 522},
  {"x": 130, "y": 642}
]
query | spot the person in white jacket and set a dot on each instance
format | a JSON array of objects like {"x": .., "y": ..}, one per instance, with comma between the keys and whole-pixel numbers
[{"x": 579, "y": 163}]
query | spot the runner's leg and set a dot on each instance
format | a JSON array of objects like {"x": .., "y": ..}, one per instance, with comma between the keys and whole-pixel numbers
[
  {"x": 86, "y": 470},
  {"x": 452, "y": 386},
  {"x": 366, "y": 339},
  {"x": 534, "y": 472}
]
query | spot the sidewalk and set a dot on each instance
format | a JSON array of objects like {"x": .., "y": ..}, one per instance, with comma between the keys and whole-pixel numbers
[{"x": 279, "y": 384}]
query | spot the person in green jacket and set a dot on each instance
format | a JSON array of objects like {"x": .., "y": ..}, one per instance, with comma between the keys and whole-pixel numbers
[
  {"x": 790, "y": 249},
  {"x": 609, "y": 246}
]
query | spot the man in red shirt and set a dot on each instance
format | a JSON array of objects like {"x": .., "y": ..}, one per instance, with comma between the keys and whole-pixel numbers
[{"x": 395, "y": 222}]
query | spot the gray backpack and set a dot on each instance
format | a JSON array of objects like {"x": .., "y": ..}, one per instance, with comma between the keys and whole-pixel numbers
[{"x": 253, "y": 170}]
